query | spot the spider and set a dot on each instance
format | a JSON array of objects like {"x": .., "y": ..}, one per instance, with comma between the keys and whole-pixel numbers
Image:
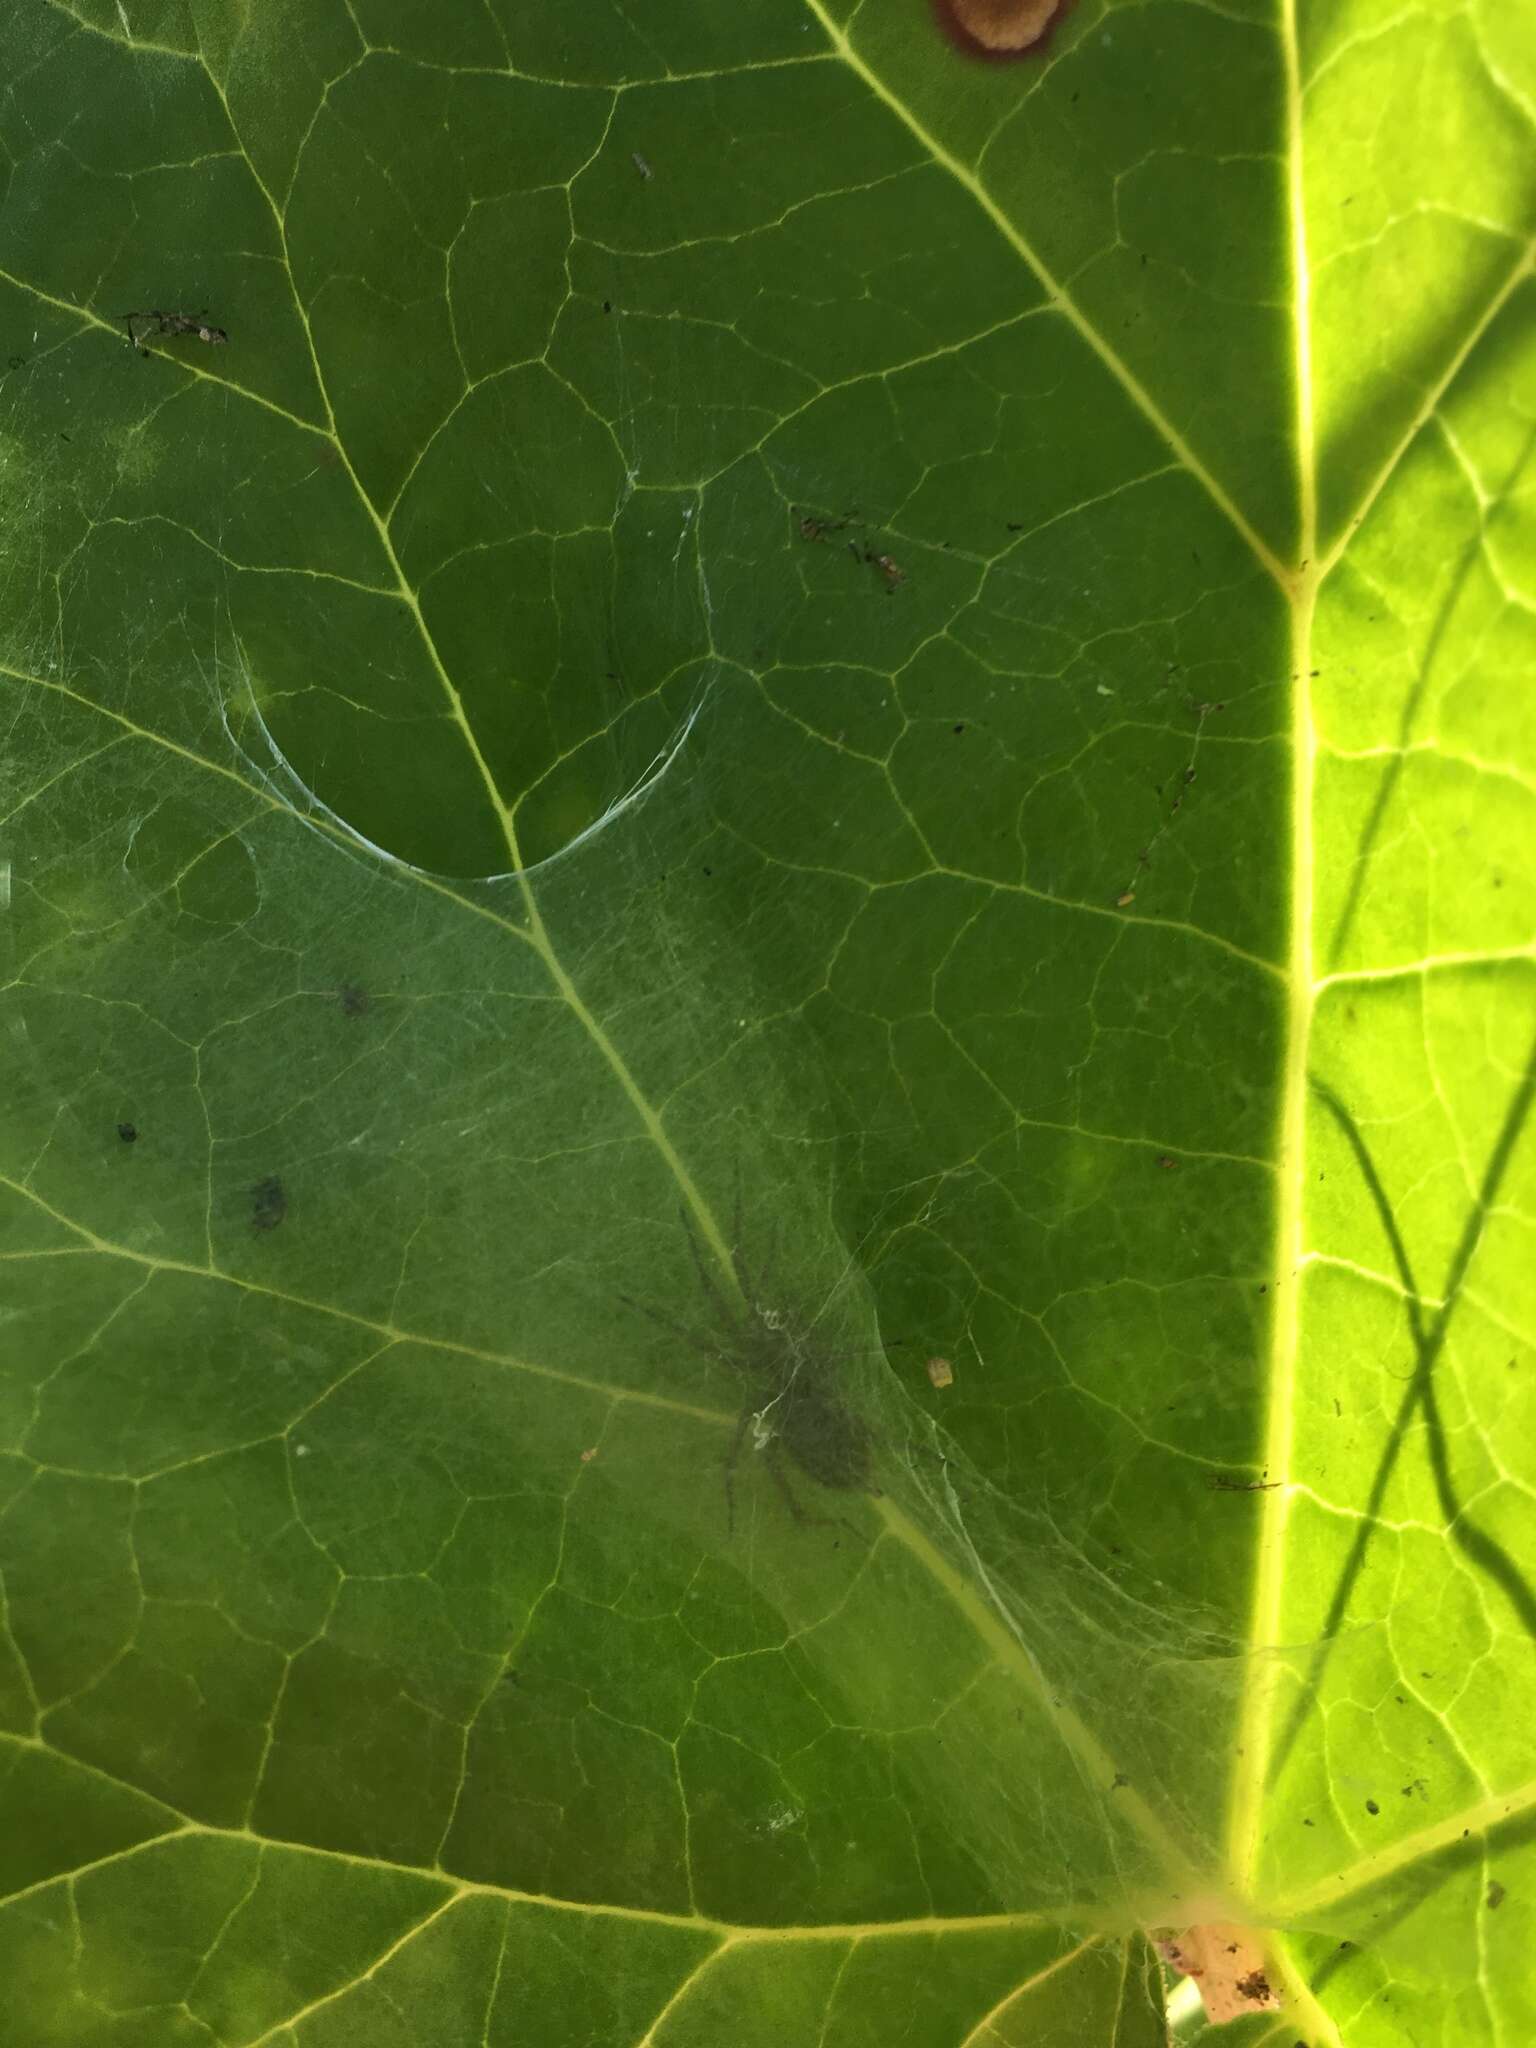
[{"x": 790, "y": 1404}]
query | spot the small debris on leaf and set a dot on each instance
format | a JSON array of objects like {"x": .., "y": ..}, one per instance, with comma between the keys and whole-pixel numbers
[
  {"x": 640, "y": 164},
  {"x": 941, "y": 1372},
  {"x": 1121, "y": 901},
  {"x": 158, "y": 323},
  {"x": 812, "y": 527},
  {"x": 588, "y": 1456},
  {"x": 1227, "y": 1967},
  {"x": 1494, "y": 1897},
  {"x": 127, "y": 1132},
  {"x": 1167, "y": 1162}
]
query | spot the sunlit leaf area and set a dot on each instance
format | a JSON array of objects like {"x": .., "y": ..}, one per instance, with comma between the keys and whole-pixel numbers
[{"x": 768, "y": 922}]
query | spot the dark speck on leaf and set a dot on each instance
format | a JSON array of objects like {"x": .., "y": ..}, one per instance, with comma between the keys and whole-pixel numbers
[
  {"x": 269, "y": 1203},
  {"x": 959, "y": 728},
  {"x": 1371, "y": 1806},
  {"x": 1493, "y": 1898},
  {"x": 127, "y": 1132},
  {"x": 607, "y": 305},
  {"x": 353, "y": 1000}
]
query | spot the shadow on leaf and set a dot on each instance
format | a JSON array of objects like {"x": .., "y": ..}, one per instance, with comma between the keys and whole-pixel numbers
[
  {"x": 1483, "y": 1551},
  {"x": 1386, "y": 789}
]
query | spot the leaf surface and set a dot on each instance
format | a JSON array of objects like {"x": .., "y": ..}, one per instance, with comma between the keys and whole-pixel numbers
[{"x": 789, "y": 712}]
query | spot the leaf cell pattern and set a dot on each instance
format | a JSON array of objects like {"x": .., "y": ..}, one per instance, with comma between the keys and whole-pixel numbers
[{"x": 779, "y": 669}]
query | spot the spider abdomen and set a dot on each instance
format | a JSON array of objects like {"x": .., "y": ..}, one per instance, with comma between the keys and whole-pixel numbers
[{"x": 826, "y": 1440}]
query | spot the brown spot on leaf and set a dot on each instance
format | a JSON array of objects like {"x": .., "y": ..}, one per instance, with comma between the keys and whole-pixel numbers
[{"x": 999, "y": 31}]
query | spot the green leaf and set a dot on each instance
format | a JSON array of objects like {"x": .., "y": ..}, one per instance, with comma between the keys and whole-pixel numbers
[{"x": 768, "y": 917}]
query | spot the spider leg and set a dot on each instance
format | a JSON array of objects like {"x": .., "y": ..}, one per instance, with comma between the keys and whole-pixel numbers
[
  {"x": 752, "y": 1283},
  {"x": 738, "y": 1255},
  {"x": 732, "y": 1458},
  {"x": 801, "y": 1515},
  {"x": 749, "y": 1281},
  {"x": 673, "y": 1327},
  {"x": 781, "y": 1481},
  {"x": 711, "y": 1286},
  {"x": 756, "y": 1282}
]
